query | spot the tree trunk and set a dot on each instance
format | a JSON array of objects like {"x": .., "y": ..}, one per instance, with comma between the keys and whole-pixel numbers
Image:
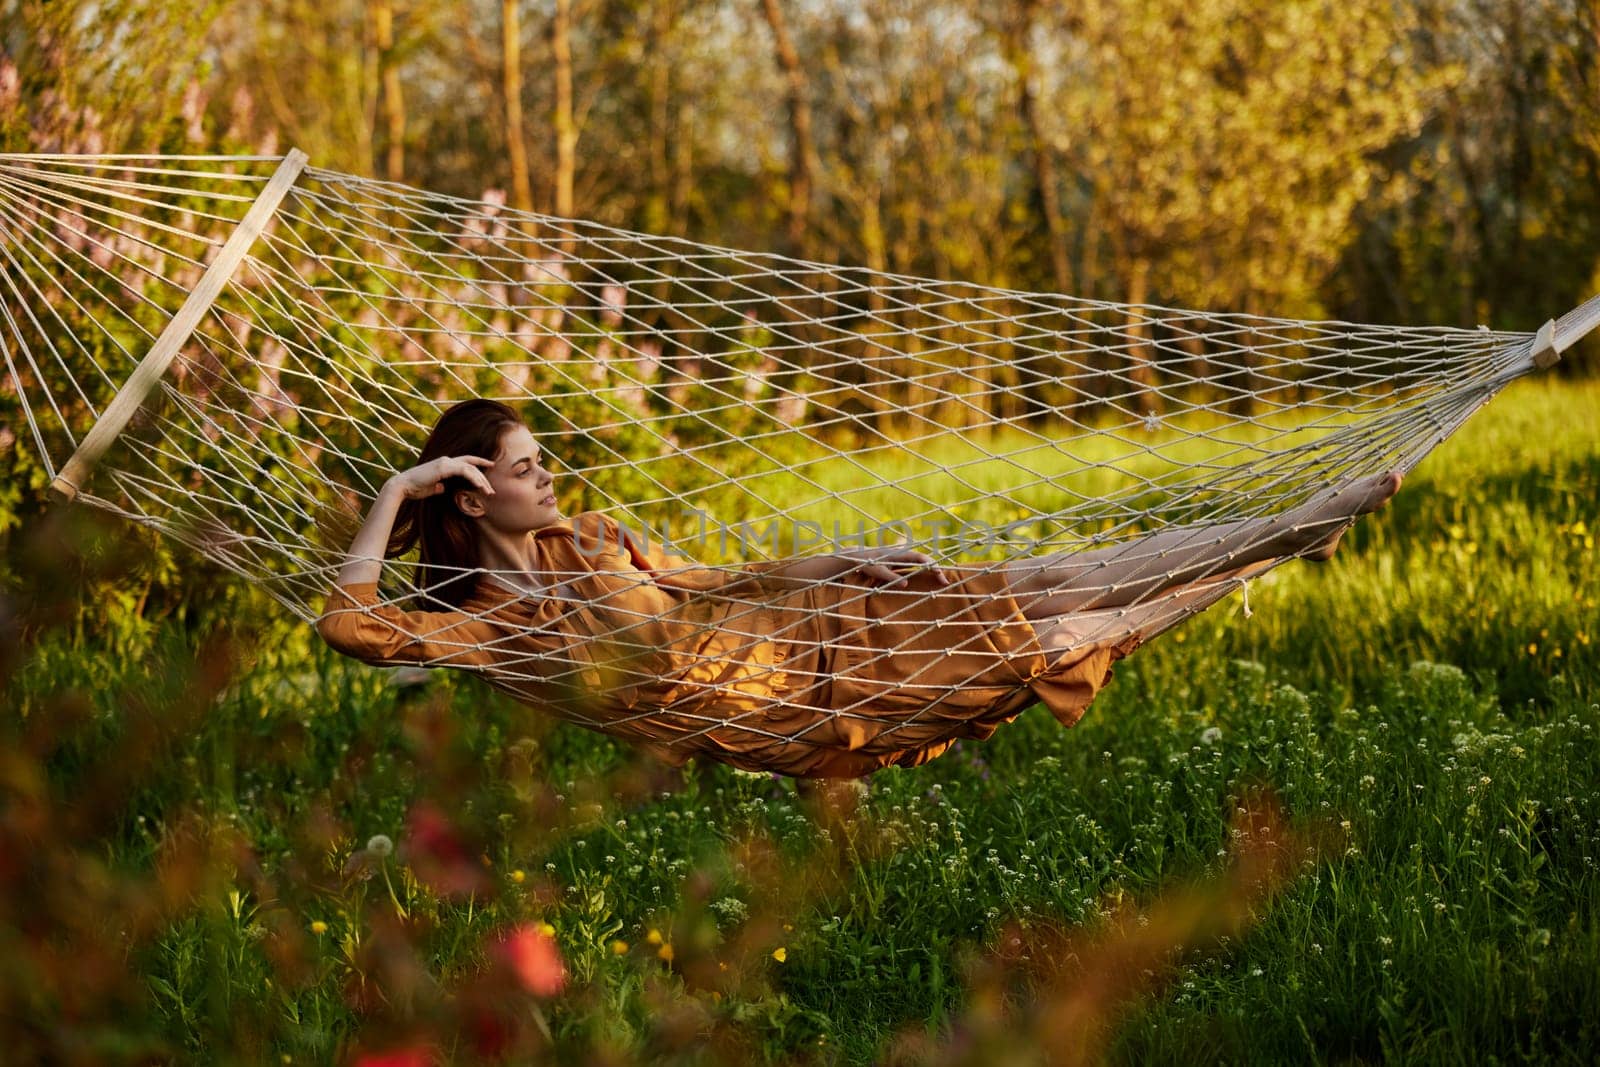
[
  {"x": 566, "y": 131},
  {"x": 511, "y": 83},
  {"x": 1020, "y": 55},
  {"x": 1141, "y": 368},
  {"x": 683, "y": 168},
  {"x": 393, "y": 107},
  {"x": 658, "y": 123},
  {"x": 802, "y": 149}
]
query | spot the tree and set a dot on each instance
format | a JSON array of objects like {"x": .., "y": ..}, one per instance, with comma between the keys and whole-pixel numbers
[
  {"x": 802, "y": 147},
  {"x": 1226, "y": 145}
]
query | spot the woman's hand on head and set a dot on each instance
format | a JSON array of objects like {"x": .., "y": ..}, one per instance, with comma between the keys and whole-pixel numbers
[
  {"x": 427, "y": 479},
  {"x": 892, "y": 564}
]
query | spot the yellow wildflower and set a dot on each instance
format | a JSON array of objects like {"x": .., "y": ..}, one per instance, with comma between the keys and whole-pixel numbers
[
  {"x": 780, "y": 954},
  {"x": 519, "y": 876},
  {"x": 547, "y": 930},
  {"x": 619, "y": 947},
  {"x": 665, "y": 952},
  {"x": 654, "y": 936},
  {"x": 319, "y": 927}
]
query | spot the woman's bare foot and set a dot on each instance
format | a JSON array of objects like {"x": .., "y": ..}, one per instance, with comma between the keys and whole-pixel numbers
[{"x": 1344, "y": 507}]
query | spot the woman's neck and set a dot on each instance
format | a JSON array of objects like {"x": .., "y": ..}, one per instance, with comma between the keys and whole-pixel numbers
[{"x": 513, "y": 559}]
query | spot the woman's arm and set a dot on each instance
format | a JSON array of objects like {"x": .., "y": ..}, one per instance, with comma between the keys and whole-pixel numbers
[
  {"x": 883, "y": 564},
  {"x": 674, "y": 571},
  {"x": 357, "y": 622},
  {"x": 364, "y": 562}
]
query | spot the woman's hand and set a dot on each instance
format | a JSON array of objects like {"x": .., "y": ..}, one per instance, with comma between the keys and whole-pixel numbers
[
  {"x": 428, "y": 478},
  {"x": 891, "y": 564}
]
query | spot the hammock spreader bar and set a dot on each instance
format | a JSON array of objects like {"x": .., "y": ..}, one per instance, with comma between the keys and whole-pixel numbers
[
  {"x": 178, "y": 329},
  {"x": 1558, "y": 335}
]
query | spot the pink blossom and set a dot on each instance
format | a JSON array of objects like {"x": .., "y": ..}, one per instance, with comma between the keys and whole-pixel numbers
[
  {"x": 613, "y": 298},
  {"x": 10, "y": 84},
  {"x": 194, "y": 111}
]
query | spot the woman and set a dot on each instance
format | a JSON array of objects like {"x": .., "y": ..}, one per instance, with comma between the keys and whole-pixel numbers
[{"x": 825, "y": 666}]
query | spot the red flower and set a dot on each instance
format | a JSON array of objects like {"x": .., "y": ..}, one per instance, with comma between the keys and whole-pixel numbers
[
  {"x": 534, "y": 959},
  {"x": 439, "y": 856}
]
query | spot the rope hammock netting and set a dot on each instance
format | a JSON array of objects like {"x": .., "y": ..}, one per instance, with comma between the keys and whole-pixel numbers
[{"x": 242, "y": 350}]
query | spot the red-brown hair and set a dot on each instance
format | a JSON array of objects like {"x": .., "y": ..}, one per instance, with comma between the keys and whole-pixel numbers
[{"x": 448, "y": 538}]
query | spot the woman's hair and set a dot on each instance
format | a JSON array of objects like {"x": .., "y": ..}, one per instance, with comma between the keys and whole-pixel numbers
[{"x": 447, "y": 537}]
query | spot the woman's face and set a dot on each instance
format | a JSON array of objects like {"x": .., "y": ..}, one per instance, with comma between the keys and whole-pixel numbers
[{"x": 522, "y": 498}]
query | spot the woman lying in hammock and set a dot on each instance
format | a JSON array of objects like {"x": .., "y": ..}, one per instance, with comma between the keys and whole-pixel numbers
[{"x": 823, "y": 666}]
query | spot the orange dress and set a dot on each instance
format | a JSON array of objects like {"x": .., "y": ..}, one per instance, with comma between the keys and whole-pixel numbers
[{"x": 767, "y": 673}]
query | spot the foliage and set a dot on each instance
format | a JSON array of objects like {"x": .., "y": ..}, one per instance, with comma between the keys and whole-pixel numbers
[
  {"x": 1427, "y": 162},
  {"x": 224, "y": 842}
]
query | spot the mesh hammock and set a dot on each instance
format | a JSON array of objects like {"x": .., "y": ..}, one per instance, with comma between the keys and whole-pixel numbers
[{"x": 241, "y": 350}]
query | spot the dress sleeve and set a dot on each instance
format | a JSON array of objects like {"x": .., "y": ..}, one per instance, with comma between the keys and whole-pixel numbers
[{"x": 358, "y": 623}]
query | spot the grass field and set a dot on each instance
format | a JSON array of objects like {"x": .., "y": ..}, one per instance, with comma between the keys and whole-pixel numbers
[{"x": 187, "y": 873}]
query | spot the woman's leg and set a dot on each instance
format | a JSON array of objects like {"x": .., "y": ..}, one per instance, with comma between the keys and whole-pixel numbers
[
  {"x": 1076, "y": 629},
  {"x": 1064, "y": 582}
]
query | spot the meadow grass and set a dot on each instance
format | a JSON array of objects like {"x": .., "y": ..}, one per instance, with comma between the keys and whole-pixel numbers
[{"x": 1424, "y": 707}]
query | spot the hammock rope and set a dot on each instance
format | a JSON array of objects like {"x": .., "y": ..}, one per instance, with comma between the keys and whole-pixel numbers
[{"x": 238, "y": 351}]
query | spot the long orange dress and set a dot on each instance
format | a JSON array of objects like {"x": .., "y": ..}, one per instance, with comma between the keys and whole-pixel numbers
[{"x": 830, "y": 679}]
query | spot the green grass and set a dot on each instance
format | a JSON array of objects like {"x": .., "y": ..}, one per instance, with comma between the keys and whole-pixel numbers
[{"x": 1424, "y": 706}]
